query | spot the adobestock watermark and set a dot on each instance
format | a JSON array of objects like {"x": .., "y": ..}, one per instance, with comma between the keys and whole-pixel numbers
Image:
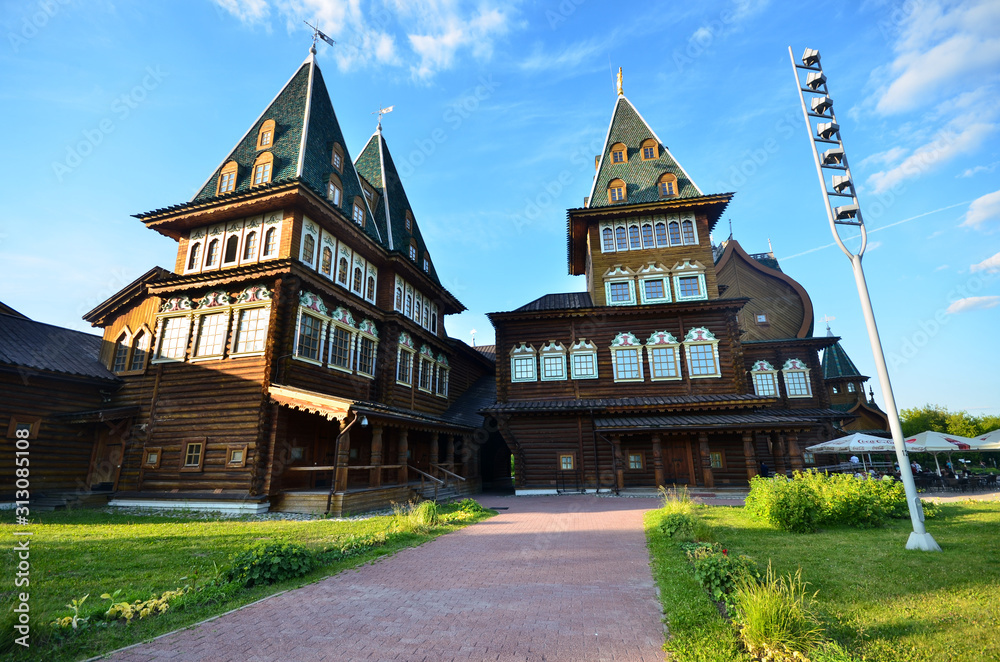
[
  {"x": 454, "y": 116},
  {"x": 891, "y": 25},
  {"x": 122, "y": 108},
  {"x": 36, "y": 20},
  {"x": 558, "y": 15},
  {"x": 754, "y": 159},
  {"x": 703, "y": 38}
]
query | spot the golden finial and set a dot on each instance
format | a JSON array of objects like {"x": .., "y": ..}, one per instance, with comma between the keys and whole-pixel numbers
[{"x": 620, "y": 92}]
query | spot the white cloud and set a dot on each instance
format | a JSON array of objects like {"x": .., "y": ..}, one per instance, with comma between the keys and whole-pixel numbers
[
  {"x": 963, "y": 135},
  {"x": 985, "y": 209},
  {"x": 887, "y": 157},
  {"x": 989, "y": 265},
  {"x": 973, "y": 303},
  {"x": 873, "y": 245},
  {"x": 941, "y": 50},
  {"x": 567, "y": 59},
  {"x": 941, "y": 267},
  {"x": 970, "y": 172},
  {"x": 427, "y": 37}
]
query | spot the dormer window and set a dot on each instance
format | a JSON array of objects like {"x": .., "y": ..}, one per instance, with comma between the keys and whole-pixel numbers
[
  {"x": 359, "y": 212},
  {"x": 413, "y": 250},
  {"x": 796, "y": 376},
  {"x": 650, "y": 150},
  {"x": 427, "y": 264},
  {"x": 616, "y": 191},
  {"x": 619, "y": 153},
  {"x": 667, "y": 185},
  {"x": 409, "y": 221},
  {"x": 702, "y": 348},
  {"x": 265, "y": 138},
  {"x": 765, "y": 379},
  {"x": 337, "y": 157},
  {"x": 227, "y": 178},
  {"x": 334, "y": 190},
  {"x": 262, "y": 169}
]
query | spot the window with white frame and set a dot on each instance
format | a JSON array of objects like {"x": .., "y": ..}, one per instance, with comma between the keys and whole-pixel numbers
[
  {"x": 120, "y": 359},
  {"x": 702, "y": 349},
  {"x": 607, "y": 240},
  {"x": 796, "y": 376},
  {"x": 212, "y": 253},
  {"x": 140, "y": 350},
  {"x": 251, "y": 330},
  {"x": 687, "y": 231},
  {"x": 211, "y": 334},
  {"x": 426, "y": 377},
  {"x": 442, "y": 375},
  {"x": 621, "y": 239},
  {"x": 310, "y": 239},
  {"x": 675, "y": 232},
  {"x": 552, "y": 358},
  {"x": 626, "y": 358},
  {"x": 583, "y": 360},
  {"x": 270, "y": 247},
  {"x": 309, "y": 337},
  {"x": 341, "y": 341},
  {"x": 689, "y": 281},
  {"x": 634, "y": 238},
  {"x": 619, "y": 286},
  {"x": 250, "y": 246},
  {"x": 194, "y": 258},
  {"x": 663, "y": 353},
  {"x": 405, "y": 351},
  {"x": 661, "y": 234},
  {"x": 367, "y": 348},
  {"x": 522, "y": 363},
  {"x": 653, "y": 284},
  {"x": 764, "y": 378},
  {"x": 174, "y": 333}
]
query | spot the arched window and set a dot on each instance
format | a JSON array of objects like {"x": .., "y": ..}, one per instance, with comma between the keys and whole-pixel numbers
[
  {"x": 616, "y": 191},
  {"x": 650, "y": 150},
  {"x": 661, "y": 234},
  {"x": 335, "y": 190},
  {"x": 308, "y": 249},
  {"x": 120, "y": 361},
  {"x": 427, "y": 316},
  {"x": 326, "y": 264},
  {"x": 647, "y": 236},
  {"x": 434, "y": 318},
  {"x": 667, "y": 185},
  {"x": 633, "y": 237},
  {"x": 675, "y": 233},
  {"x": 232, "y": 249},
  {"x": 337, "y": 157},
  {"x": 262, "y": 169},
  {"x": 399, "y": 298},
  {"x": 227, "y": 178},
  {"x": 417, "y": 309},
  {"x": 359, "y": 277},
  {"x": 370, "y": 294},
  {"x": 619, "y": 153},
  {"x": 608, "y": 236},
  {"x": 688, "y": 228},
  {"x": 140, "y": 349},
  {"x": 250, "y": 245},
  {"x": 270, "y": 239},
  {"x": 195, "y": 260},
  {"x": 265, "y": 137},
  {"x": 409, "y": 305},
  {"x": 213, "y": 253},
  {"x": 359, "y": 211},
  {"x": 342, "y": 271},
  {"x": 621, "y": 238}
]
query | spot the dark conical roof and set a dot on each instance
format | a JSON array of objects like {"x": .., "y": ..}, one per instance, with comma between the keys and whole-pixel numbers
[
  {"x": 375, "y": 164},
  {"x": 837, "y": 364},
  {"x": 640, "y": 175}
]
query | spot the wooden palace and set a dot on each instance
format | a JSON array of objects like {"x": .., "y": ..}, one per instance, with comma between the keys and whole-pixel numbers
[{"x": 681, "y": 363}]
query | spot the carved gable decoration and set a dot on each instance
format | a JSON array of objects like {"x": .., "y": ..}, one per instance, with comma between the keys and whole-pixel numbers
[
  {"x": 405, "y": 340},
  {"x": 311, "y": 227},
  {"x": 699, "y": 334},
  {"x": 197, "y": 234},
  {"x": 662, "y": 338},
  {"x": 688, "y": 265},
  {"x": 175, "y": 305},
  {"x": 794, "y": 364},
  {"x": 762, "y": 366},
  {"x": 367, "y": 326},
  {"x": 312, "y": 302},
  {"x": 214, "y": 299},
  {"x": 273, "y": 219},
  {"x": 552, "y": 347},
  {"x": 343, "y": 315},
  {"x": 443, "y": 360},
  {"x": 583, "y": 345},
  {"x": 253, "y": 294},
  {"x": 625, "y": 339},
  {"x": 522, "y": 349},
  {"x": 427, "y": 351}
]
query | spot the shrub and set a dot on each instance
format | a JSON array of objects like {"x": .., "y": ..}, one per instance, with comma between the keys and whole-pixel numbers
[
  {"x": 679, "y": 525},
  {"x": 791, "y": 505},
  {"x": 775, "y": 617},
  {"x": 676, "y": 500},
  {"x": 719, "y": 572},
  {"x": 270, "y": 562},
  {"x": 471, "y": 506},
  {"x": 415, "y": 517}
]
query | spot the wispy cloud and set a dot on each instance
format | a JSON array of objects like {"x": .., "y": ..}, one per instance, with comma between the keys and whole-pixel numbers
[
  {"x": 983, "y": 210},
  {"x": 971, "y": 172},
  {"x": 974, "y": 303},
  {"x": 568, "y": 58},
  {"x": 989, "y": 265}
]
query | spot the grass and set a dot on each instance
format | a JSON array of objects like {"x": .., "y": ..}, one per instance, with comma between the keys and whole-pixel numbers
[
  {"x": 877, "y": 600},
  {"x": 80, "y": 552}
]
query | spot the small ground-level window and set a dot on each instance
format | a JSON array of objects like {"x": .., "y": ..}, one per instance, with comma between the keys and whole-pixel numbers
[
  {"x": 715, "y": 459},
  {"x": 194, "y": 456},
  {"x": 236, "y": 456},
  {"x": 23, "y": 427},
  {"x": 635, "y": 461},
  {"x": 566, "y": 462},
  {"x": 151, "y": 458},
  {"x": 808, "y": 458}
]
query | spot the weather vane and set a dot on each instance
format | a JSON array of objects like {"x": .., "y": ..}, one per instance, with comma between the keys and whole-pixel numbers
[
  {"x": 473, "y": 333},
  {"x": 382, "y": 111},
  {"x": 827, "y": 319},
  {"x": 319, "y": 34}
]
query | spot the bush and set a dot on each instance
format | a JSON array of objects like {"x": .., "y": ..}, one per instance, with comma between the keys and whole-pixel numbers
[
  {"x": 415, "y": 517},
  {"x": 775, "y": 617},
  {"x": 791, "y": 505},
  {"x": 267, "y": 563},
  {"x": 471, "y": 506},
  {"x": 678, "y": 525},
  {"x": 718, "y": 572}
]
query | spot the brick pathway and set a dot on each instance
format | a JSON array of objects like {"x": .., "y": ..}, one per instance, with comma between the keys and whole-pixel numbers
[{"x": 551, "y": 578}]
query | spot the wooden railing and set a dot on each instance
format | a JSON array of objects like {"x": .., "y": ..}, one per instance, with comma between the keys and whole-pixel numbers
[
  {"x": 447, "y": 473},
  {"x": 437, "y": 482}
]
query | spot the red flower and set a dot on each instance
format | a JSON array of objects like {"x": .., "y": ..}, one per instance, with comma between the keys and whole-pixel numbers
[{"x": 725, "y": 552}]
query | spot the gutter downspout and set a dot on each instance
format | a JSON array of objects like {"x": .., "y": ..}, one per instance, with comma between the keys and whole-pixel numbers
[{"x": 336, "y": 462}]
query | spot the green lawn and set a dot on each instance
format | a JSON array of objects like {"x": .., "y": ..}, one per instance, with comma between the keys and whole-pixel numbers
[
  {"x": 880, "y": 601},
  {"x": 81, "y": 552}
]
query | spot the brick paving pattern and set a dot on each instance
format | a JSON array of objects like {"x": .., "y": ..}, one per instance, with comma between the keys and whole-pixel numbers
[{"x": 560, "y": 578}]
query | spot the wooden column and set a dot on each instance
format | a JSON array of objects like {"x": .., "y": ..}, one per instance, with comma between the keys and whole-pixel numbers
[
  {"x": 657, "y": 460},
  {"x": 449, "y": 452},
  {"x": 375, "y": 478},
  {"x": 750, "y": 453},
  {"x": 778, "y": 442},
  {"x": 794, "y": 452},
  {"x": 706, "y": 460},
  {"x": 343, "y": 459},
  {"x": 434, "y": 447},
  {"x": 616, "y": 444},
  {"x": 404, "y": 474}
]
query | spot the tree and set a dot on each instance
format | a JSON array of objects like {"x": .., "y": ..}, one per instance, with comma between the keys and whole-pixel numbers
[{"x": 921, "y": 419}]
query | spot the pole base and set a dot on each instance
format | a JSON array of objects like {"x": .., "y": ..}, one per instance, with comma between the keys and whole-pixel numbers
[{"x": 923, "y": 541}]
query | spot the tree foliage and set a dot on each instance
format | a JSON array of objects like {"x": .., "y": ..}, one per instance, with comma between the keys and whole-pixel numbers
[{"x": 940, "y": 419}]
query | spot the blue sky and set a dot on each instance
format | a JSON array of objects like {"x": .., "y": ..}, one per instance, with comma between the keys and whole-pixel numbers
[{"x": 116, "y": 108}]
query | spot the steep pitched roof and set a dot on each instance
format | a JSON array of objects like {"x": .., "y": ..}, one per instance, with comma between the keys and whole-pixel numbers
[
  {"x": 836, "y": 363},
  {"x": 375, "y": 164},
  {"x": 558, "y": 302},
  {"x": 29, "y": 345},
  {"x": 640, "y": 176},
  {"x": 306, "y": 128}
]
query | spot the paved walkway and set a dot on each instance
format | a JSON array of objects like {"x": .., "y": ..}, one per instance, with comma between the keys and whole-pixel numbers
[{"x": 551, "y": 578}]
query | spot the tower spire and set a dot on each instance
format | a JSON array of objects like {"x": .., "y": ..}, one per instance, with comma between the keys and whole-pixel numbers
[{"x": 621, "y": 93}]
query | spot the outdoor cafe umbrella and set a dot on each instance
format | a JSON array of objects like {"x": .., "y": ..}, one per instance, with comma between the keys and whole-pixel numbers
[
  {"x": 937, "y": 442},
  {"x": 987, "y": 442},
  {"x": 855, "y": 443}
]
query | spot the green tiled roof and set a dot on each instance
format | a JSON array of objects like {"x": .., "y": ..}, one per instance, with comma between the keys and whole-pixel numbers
[
  {"x": 837, "y": 364},
  {"x": 288, "y": 110},
  {"x": 640, "y": 177},
  {"x": 376, "y": 165}
]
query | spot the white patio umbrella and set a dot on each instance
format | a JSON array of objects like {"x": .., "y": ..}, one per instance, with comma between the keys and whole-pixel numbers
[
  {"x": 855, "y": 443},
  {"x": 987, "y": 442},
  {"x": 937, "y": 442}
]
